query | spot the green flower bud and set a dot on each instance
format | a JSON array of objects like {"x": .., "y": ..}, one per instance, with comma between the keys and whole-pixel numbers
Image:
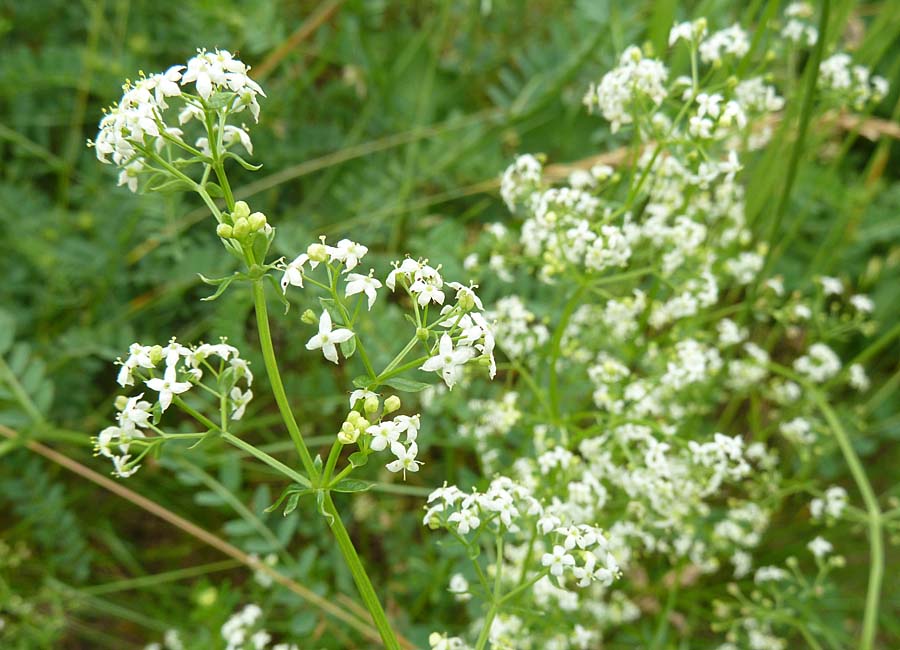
[
  {"x": 241, "y": 210},
  {"x": 121, "y": 402},
  {"x": 257, "y": 221},
  {"x": 371, "y": 404},
  {"x": 207, "y": 597},
  {"x": 317, "y": 252},
  {"x": 309, "y": 317},
  {"x": 156, "y": 354},
  {"x": 224, "y": 231},
  {"x": 348, "y": 434},
  {"x": 391, "y": 404},
  {"x": 422, "y": 334},
  {"x": 241, "y": 228}
]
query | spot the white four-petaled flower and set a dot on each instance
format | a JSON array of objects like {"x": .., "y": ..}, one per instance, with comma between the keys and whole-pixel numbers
[
  {"x": 406, "y": 458},
  {"x": 168, "y": 386},
  {"x": 358, "y": 283},
  {"x": 327, "y": 338},
  {"x": 449, "y": 361},
  {"x": 558, "y": 560}
]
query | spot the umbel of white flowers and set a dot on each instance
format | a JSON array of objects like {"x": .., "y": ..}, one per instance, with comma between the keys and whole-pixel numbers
[{"x": 141, "y": 123}]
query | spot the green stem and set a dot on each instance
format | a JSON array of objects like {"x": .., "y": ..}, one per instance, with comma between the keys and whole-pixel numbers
[
  {"x": 345, "y": 544},
  {"x": 387, "y": 374},
  {"x": 360, "y": 577},
  {"x": 875, "y": 517},
  {"x": 876, "y": 541},
  {"x": 522, "y": 587},
  {"x": 284, "y": 407},
  {"x": 495, "y": 600},
  {"x": 359, "y": 345},
  {"x": 274, "y": 463},
  {"x": 555, "y": 349},
  {"x": 7, "y": 376},
  {"x": 809, "y": 95},
  {"x": 331, "y": 462},
  {"x": 207, "y": 199}
]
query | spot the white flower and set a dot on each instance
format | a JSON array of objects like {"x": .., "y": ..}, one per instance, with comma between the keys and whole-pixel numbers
[
  {"x": 233, "y": 135},
  {"x": 448, "y": 361},
  {"x": 135, "y": 414},
  {"x": 166, "y": 84},
  {"x": 360, "y": 394},
  {"x": 832, "y": 505},
  {"x": 129, "y": 175},
  {"x": 769, "y": 574},
  {"x": 558, "y": 560},
  {"x": 239, "y": 401},
  {"x": 465, "y": 520},
  {"x": 293, "y": 272},
  {"x": 198, "y": 71},
  {"x": 241, "y": 368},
  {"x": 862, "y": 303},
  {"x": 348, "y": 252},
  {"x": 679, "y": 31},
  {"x": 443, "y": 642},
  {"x": 358, "y": 283},
  {"x": 459, "y": 587},
  {"x": 820, "y": 547},
  {"x": 831, "y": 286},
  {"x": 326, "y": 338},
  {"x": 819, "y": 364},
  {"x": 120, "y": 469},
  {"x": 406, "y": 458},
  {"x": 858, "y": 377},
  {"x": 708, "y": 104},
  {"x": 409, "y": 424},
  {"x": 107, "y": 438},
  {"x": 168, "y": 386},
  {"x": 427, "y": 286},
  {"x": 466, "y": 296},
  {"x": 593, "y": 570},
  {"x": 383, "y": 434},
  {"x": 407, "y": 269}
]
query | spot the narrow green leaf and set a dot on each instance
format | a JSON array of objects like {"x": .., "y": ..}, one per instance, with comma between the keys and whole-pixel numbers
[
  {"x": 320, "y": 504},
  {"x": 358, "y": 459},
  {"x": 352, "y": 485},
  {"x": 171, "y": 186},
  {"x": 292, "y": 502},
  {"x": 220, "y": 289},
  {"x": 348, "y": 347},
  {"x": 7, "y": 331},
  {"x": 406, "y": 385},
  {"x": 243, "y": 163}
]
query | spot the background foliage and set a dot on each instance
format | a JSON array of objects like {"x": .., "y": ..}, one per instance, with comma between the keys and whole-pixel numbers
[{"x": 385, "y": 121}]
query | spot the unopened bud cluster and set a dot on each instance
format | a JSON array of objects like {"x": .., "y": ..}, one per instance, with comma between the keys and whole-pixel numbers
[{"x": 242, "y": 223}]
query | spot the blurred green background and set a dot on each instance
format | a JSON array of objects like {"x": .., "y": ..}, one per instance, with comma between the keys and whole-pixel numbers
[{"x": 387, "y": 122}]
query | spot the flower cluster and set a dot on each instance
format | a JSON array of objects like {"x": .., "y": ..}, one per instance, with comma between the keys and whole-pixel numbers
[
  {"x": 466, "y": 334},
  {"x": 368, "y": 427},
  {"x": 624, "y": 90},
  {"x": 135, "y": 132},
  {"x": 170, "y": 371},
  {"x": 242, "y": 631},
  {"x": 539, "y": 548}
]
